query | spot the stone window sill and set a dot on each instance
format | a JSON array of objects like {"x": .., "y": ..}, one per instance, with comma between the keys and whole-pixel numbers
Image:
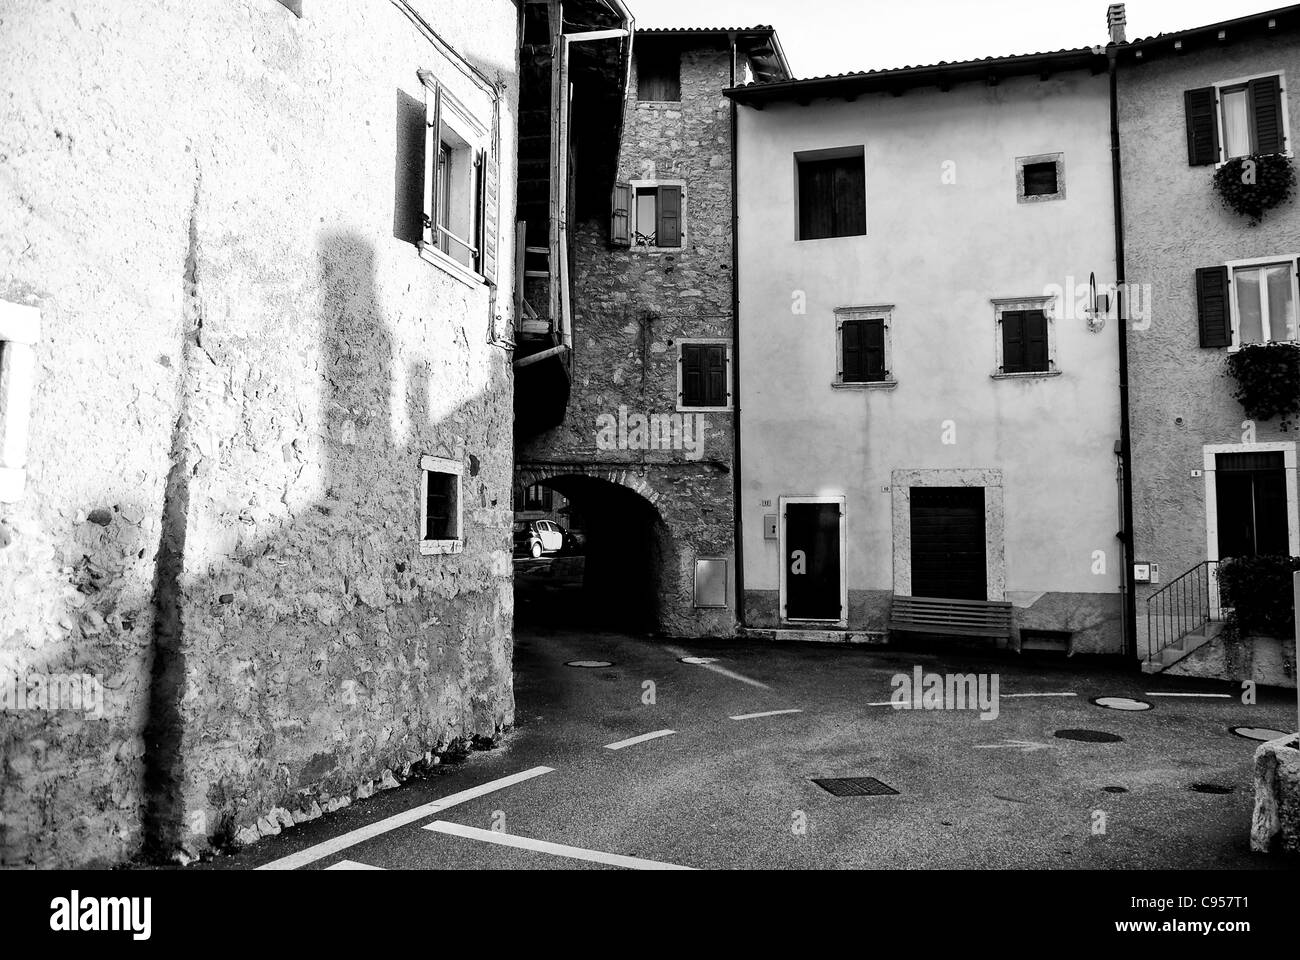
[
  {"x": 867, "y": 385},
  {"x": 1031, "y": 375},
  {"x": 436, "y": 548}
]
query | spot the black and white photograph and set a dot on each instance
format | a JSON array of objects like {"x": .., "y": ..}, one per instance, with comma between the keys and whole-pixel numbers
[{"x": 801, "y": 440}]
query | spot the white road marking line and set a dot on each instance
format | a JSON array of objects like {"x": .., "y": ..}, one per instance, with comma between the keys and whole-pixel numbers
[
  {"x": 351, "y": 865},
  {"x": 679, "y": 654},
  {"x": 633, "y": 741},
  {"x": 769, "y": 713},
  {"x": 1217, "y": 696},
  {"x": 545, "y": 846},
  {"x": 891, "y": 703},
  {"x": 1008, "y": 696},
  {"x": 361, "y": 834}
]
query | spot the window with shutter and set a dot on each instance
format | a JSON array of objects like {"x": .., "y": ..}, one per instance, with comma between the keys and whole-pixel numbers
[
  {"x": 1212, "y": 306},
  {"x": 1025, "y": 338},
  {"x": 1244, "y": 118},
  {"x": 863, "y": 345},
  {"x": 669, "y": 230},
  {"x": 658, "y": 73},
  {"x": 832, "y": 194},
  {"x": 1266, "y": 108},
  {"x": 704, "y": 375},
  {"x": 852, "y": 362},
  {"x": 1013, "y": 341}
]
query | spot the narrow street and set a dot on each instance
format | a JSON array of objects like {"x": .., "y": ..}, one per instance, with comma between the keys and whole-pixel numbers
[{"x": 723, "y": 792}]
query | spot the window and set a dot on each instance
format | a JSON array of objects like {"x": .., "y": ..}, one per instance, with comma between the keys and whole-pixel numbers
[
  {"x": 647, "y": 213},
  {"x": 1248, "y": 301},
  {"x": 461, "y": 185},
  {"x": 658, "y": 73},
  {"x": 440, "y": 506},
  {"x": 538, "y": 497},
  {"x": 1237, "y": 118},
  {"x": 1040, "y": 178},
  {"x": 863, "y": 346},
  {"x": 832, "y": 193},
  {"x": 1251, "y": 504},
  {"x": 1025, "y": 342},
  {"x": 704, "y": 375}
]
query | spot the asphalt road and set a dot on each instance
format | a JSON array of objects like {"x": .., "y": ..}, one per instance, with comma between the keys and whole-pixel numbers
[{"x": 726, "y": 793}]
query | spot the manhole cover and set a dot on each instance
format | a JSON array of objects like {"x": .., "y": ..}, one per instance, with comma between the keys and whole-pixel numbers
[
  {"x": 1257, "y": 733},
  {"x": 1120, "y": 703},
  {"x": 699, "y": 661},
  {"x": 1089, "y": 736},
  {"x": 854, "y": 786},
  {"x": 589, "y": 664},
  {"x": 1211, "y": 788},
  {"x": 1116, "y": 789}
]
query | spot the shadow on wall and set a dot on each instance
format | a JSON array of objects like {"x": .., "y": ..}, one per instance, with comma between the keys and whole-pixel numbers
[{"x": 291, "y": 667}]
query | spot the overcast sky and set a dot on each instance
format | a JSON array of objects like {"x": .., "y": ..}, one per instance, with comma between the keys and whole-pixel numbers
[{"x": 837, "y": 36}]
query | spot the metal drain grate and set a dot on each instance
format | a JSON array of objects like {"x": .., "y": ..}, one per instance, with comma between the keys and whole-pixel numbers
[
  {"x": 854, "y": 786},
  {"x": 1089, "y": 736},
  {"x": 1116, "y": 789},
  {"x": 1211, "y": 788}
]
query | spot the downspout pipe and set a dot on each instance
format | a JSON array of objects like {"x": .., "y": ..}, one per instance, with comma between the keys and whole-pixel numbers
[
  {"x": 737, "y": 496},
  {"x": 1125, "y": 434}
]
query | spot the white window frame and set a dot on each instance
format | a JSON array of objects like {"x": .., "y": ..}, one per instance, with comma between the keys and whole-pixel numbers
[
  {"x": 446, "y": 466},
  {"x": 1233, "y": 266},
  {"x": 1236, "y": 82},
  {"x": 783, "y": 557},
  {"x": 731, "y": 391},
  {"x": 883, "y": 312},
  {"x": 1022, "y": 162},
  {"x": 1048, "y": 306},
  {"x": 632, "y": 211},
  {"x": 476, "y": 138}
]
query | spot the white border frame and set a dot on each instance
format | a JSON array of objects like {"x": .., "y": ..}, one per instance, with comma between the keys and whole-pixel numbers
[
  {"x": 444, "y": 465},
  {"x": 1233, "y": 266},
  {"x": 883, "y": 311},
  {"x": 1209, "y": 466},
  {"x": 1057, "y": 158},
  {"x": 1236, "y": 82},
  {"x": 995, "y": 537},
  {"x": 782, "y": 502},
  {"x": 731, "y": 391}
]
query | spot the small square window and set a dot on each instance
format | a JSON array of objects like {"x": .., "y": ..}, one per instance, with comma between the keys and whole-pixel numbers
[
  {"x": 658, "y": 73},
  {"x": 1040, "y": 178},
  {"x": 832, "y": 193},
  {"x": 440, "y": 506},
  {"x": 1026, "y": 344},
  {"x": 704, "y": 375},
  {"x": 863, "y": 346}
]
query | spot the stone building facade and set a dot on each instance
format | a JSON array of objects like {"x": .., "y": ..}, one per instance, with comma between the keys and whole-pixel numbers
[
  {"x": 248, "y": 357},
  {"x": 1186, "y": 427},
  {"x": 641, "y": 298}
]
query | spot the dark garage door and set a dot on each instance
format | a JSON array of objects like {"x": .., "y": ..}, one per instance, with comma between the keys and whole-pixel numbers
[{"x": 948, "y": 543}]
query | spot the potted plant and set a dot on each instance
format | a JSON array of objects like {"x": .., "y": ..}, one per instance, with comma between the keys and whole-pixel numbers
[
  {"x": 1252, "y": 185},
  {"x": 1268, "y": 380}
]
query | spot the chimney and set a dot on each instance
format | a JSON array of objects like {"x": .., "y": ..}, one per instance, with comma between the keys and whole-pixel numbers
[{"x": 1115, "y": 21}]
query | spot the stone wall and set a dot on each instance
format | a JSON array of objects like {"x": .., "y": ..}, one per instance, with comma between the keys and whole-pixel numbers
[
  {"x": 632, "y": 306},
  {"x": 1180, "y": 398},
  {"x": 241, "y": 366}
]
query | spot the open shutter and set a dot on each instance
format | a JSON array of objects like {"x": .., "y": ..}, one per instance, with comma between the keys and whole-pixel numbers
[
  {"x": 1035, "y": 333},
  {"x": 1202, "y": 130},
  {"x": 1266, "y": 101},
  {"x": 620, "y": 219},
  {"x": 1212, "y": 311},
  {"x": 432, "y": 157},
  {"x": 668, "y": 232},
  {"x": 715, "y": 376},
  {"x": 1013, "y": 341},
  {"x": 692, "y": 377},
  {"x": 490, "y": 209},
  {"x": 873, "y": 348}
]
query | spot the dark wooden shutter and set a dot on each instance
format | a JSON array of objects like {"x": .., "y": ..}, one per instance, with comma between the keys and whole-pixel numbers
[
  {"x": 1202, "y": 130},
  {"x": 1266, "y": 101},
  {"x": 1035, "y": 332},
  {"x": 816, "y": 199},
  {"x": 873, "y": 348},
  {"x": 488, "y": 207},
  {"x": 852, "y": 357},
  {"x": 715, "y": 376},
  {"x": 1212, "y": 311},
  {"x": 620, "y": 220},
  {"x": 1013, "y": 341},
  {"x": 692, "y": 361},
  {"x": 850, "y": 197},
  {"x": 668, "y": 232}
]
